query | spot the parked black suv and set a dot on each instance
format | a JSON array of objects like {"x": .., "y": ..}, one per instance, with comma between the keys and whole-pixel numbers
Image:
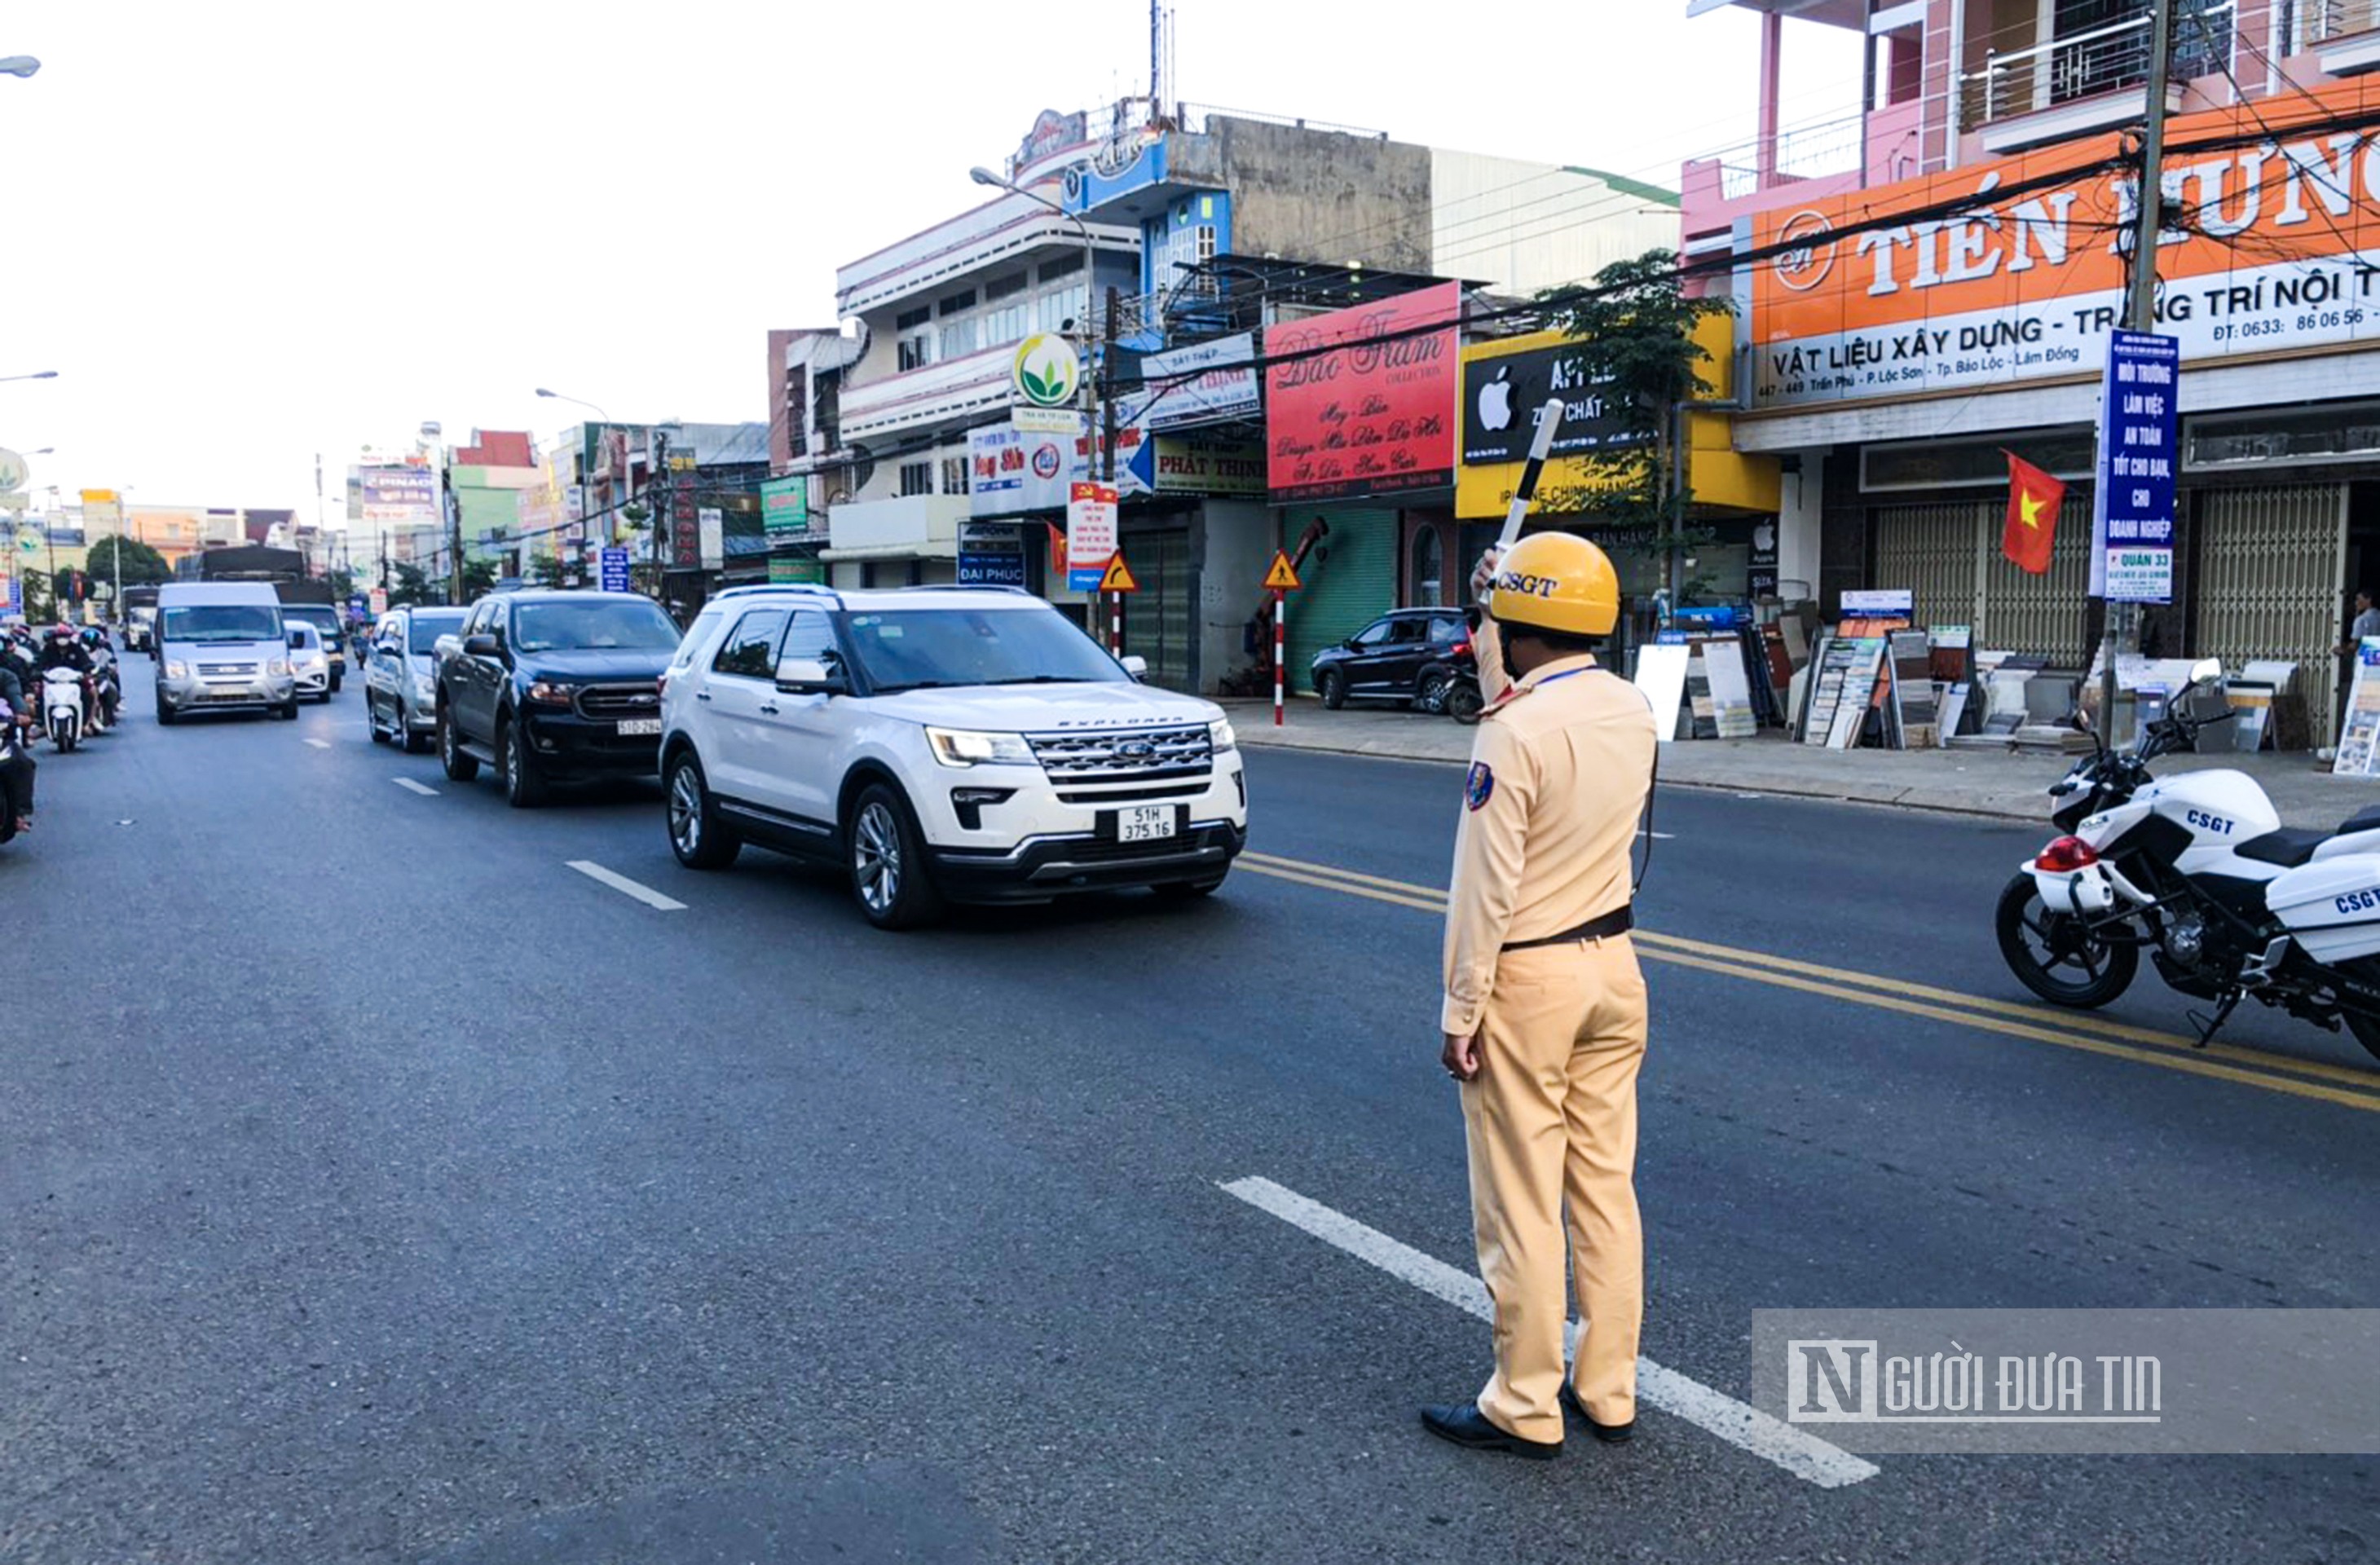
[
  {"x": 1405, "y": 655},
  {"x": 549, "y": 686}
]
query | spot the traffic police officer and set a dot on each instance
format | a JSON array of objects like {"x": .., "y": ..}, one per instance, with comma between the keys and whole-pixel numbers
[{"x": 1544, "y": 1019}]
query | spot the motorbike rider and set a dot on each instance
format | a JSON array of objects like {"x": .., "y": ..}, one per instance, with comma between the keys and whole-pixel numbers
[
  {"x": 62, "y": 650},
  {"x": 109, "y": 681},
  {"x": 16, "y": 773}
]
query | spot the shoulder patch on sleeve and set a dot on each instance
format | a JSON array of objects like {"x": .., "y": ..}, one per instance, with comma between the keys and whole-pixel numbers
[{"x": 1480, "y": 786}]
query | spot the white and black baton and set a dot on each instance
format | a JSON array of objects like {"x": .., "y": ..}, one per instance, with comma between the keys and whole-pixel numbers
[{"x": 1549, "y": 418}]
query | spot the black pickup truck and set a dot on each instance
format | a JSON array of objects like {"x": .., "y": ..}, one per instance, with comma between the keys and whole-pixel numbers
[{"x": 554, "y": 687}]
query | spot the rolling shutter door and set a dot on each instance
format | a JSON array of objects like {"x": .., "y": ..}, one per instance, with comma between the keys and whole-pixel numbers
[
  {"x": 1351, "y": 580},
  {"x": 2270, "y": 564},
  {"x": 1160, "y": 618},
  {"x": 1931, "y": 551}
]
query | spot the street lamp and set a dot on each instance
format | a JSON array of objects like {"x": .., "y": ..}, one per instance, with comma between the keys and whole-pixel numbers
[
  {"x": 1090, "y": 403},
  {"x": 19, "y": 65}
]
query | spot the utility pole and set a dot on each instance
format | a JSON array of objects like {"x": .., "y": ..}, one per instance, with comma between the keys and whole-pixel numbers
[{"x": 2116, "y": 619}]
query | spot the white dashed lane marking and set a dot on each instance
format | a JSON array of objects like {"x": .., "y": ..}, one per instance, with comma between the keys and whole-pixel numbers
[
  {"x": 411, "y": 786},
  {"x": 1738, "y": 1424},
  {"x": 627, "y": 887},
  {"x": 320, "y": 744}
]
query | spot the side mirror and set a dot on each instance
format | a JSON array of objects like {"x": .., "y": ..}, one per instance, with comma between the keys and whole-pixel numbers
[
  {"x": 482, "y": 647},
  {"x": 807, "y": 676},
  {"x": 1137, "y": 666},
  {"x": 2207, "y": 670}
]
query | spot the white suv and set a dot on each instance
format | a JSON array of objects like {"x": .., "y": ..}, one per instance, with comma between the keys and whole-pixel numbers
[{"x": 940, "y": 743}]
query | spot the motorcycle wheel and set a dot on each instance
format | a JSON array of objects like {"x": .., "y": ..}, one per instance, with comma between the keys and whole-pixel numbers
[
  {"x": 1463, "y": 703},
  {"x": 2051, "y": 955},
  {"x": 2365, "y": 1028}
]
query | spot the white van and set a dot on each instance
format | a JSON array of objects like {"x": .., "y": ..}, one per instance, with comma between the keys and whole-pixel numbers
[{"x": 222, "y": 646}]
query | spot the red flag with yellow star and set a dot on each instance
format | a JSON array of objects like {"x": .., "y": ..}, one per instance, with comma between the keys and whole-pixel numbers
[{"x": 2032, "y": 525}]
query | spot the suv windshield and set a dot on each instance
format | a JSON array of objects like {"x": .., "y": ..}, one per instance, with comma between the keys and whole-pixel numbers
[
  {"x": 325, "y": 620},
  {"x": 223, "y": 622},
  {"x": 926, "y": 649},
  {"x": 422, "y": 638},
  {"x": 631, "y": 623}
]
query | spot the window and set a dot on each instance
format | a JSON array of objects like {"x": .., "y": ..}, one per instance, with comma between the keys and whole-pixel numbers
[
  {"x": 1448, "y": 629},
  {"x": 954, "y": 475},
  {"x": 750, "y": 649},
  {"x": 1064, "y": 266},
  {"x": 958, "y": 339},
  {"x": 1411, "y": 630},
  {"x": 1374, "y": 635},
  {"x": 1001, "y": 287},
  {"x": 1429, "y": 583},
  {"x": 917, "y": 478},
  {"x": 916, "y": 352},
  {"x": 957, "y": 303},
  {"x": 811, "y": 640},
  {"x": 910, "y": 319}
]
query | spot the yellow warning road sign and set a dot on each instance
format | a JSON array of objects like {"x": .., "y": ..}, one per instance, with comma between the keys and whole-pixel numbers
[
  {"x": 1283, "y": 578},
  {"x": 1119, "y": 577}
]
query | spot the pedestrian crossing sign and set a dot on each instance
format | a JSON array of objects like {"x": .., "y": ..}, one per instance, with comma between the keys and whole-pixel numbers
[
  {"x": 1119, "y": 577},
  {"x": 1283, "y": 578}
]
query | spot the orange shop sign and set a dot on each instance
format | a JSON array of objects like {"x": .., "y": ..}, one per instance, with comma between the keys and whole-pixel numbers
[{"x": 2277, "y": 248}]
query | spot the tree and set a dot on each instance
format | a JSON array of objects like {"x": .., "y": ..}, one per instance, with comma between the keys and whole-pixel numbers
[
  {"x": 479, "y": 578},
  {"x": 343, "y": 584},
  {"x": 1635, "y": 325},
  {"x": 410, "y": 586},
  {"x": 545, "y": 570},
  {"x": 144, "y": 566}
]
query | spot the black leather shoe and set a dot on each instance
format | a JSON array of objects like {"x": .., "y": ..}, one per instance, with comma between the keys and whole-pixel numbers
[
  {"x": 1465, "y": 1425},
  {"x": 1609, "y": 1434}
]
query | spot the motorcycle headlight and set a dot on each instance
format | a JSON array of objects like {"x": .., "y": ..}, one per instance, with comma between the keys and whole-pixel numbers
[
  {"x": 177, "y": 671},
  {"x": 1219, "y": 737},
  {"x": 959, "y": 746},
  {"x": 546, "y": 693}
]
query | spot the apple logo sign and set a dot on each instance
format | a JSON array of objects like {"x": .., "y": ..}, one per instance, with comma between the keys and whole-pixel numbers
[
  {"x": 1496, "y": 403},
  {"x": 1764, "y": 537}
]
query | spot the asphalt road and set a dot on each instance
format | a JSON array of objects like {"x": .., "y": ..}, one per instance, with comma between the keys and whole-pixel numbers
[{"x": 376, "y": 1186}]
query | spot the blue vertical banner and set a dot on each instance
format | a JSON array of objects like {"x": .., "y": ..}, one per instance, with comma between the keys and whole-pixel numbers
[
  {"x": 2140, "y": 441},
  {"x": 613, "y": 570}
]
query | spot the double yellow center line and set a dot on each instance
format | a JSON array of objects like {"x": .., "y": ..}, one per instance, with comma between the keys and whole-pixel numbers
[{"x": 2039, "y": 1024}]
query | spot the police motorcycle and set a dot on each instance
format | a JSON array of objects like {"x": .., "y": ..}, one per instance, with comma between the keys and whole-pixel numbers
[{"x": 2199, "y": 872}]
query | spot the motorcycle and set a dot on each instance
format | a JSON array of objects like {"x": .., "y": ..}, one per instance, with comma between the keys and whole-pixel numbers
[
  {"x": 108, "y": 682},
  {"x": 62, "y": 704},
  {"x": 1453, "y": 692},
  {"x": 2198, "y": 872},
  {"x": 8, "y": 743}
]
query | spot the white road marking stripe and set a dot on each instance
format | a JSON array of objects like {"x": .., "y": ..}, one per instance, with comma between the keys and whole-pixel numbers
[
  {"x": 320, "y": 744},
  {"x": 1659, "y": 836},
  {"x": 411, "y": 786},
  {"x": 627, "y": 887},
  {"x": 1737, "y": 1423}
]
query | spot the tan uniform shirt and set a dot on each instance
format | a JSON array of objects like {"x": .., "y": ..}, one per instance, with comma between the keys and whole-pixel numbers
[{"x": 1560, "y": 769}]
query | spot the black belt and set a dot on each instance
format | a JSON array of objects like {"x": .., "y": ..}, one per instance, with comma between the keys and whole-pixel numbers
[{"x": 1619, "y": 921}]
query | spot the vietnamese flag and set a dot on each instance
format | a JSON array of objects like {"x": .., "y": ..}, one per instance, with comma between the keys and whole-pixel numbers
[{"x": 2031, "y": 524}]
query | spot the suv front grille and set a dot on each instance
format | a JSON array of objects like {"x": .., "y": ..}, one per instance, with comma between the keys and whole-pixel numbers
[
  {"x": 1140, "y": 755},
  {"x": 620, "y": 700},
  {"x": 227, "y": 671}
]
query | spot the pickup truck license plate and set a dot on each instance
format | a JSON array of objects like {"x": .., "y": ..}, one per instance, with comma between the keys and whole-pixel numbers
[
  {"x": 1145, "y": 823},
  {"x": 630, "y": 726}
]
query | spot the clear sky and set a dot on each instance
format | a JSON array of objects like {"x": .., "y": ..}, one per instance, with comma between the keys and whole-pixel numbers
[{"x": 252, "y": 230}]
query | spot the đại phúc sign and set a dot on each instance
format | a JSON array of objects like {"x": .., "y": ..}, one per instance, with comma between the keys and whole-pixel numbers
[
  {"x": 1361, "y": 401},
  {"x": 2029, "y": 283}
]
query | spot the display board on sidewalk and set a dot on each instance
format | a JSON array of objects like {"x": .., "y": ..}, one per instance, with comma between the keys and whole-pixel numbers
[
  {"x": 1661, "y": 671},
  {"x": 1848, "y": 667},
  {"x": 1729, "y": 689},
  {"x": 2359, "y": 736}
]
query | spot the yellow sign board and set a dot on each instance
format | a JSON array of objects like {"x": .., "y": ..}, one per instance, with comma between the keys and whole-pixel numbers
[{"x": 1283, "y": 578}]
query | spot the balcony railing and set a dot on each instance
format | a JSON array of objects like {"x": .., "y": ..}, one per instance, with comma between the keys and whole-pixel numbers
[
  {"x": 1803, "y": 151},
  {"x": 2325, "y": 22},
  {"x": 2089, "y": 64}
]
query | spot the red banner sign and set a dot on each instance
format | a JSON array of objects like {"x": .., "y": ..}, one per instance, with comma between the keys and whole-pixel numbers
[{"x": 1362, "y": 401}]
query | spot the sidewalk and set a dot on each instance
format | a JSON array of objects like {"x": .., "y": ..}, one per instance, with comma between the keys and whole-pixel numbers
[{"x": 2008, "y": 784}]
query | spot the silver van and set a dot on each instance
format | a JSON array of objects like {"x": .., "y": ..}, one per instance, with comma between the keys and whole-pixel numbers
[{"x": 222, "y": 646}]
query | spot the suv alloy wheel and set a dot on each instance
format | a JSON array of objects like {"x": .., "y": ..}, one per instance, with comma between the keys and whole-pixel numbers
[
  {"x": 696, "y": 835},
  {"x": 460, "y": 767},
  {"x": 1332, "y": 687},
  {"x": 888, "y": 862},
  {"x": 524, "y": 787}
]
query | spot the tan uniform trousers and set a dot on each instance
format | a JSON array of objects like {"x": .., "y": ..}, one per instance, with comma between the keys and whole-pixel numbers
[{"x": 1551, "y": 1120}]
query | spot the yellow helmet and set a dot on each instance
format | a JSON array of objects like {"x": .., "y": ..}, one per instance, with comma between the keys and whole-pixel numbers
[{"x": 1555, "y": 581}]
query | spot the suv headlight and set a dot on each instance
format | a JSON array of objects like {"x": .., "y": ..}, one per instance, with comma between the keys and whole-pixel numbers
[
  {"x": 1219, "y": 737},
  {"x": 546, "y": 693},
  {"x": 177, "y": 671},
  {"x": 279, "y": 668},
  {"x": 959, "y": 746}
]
